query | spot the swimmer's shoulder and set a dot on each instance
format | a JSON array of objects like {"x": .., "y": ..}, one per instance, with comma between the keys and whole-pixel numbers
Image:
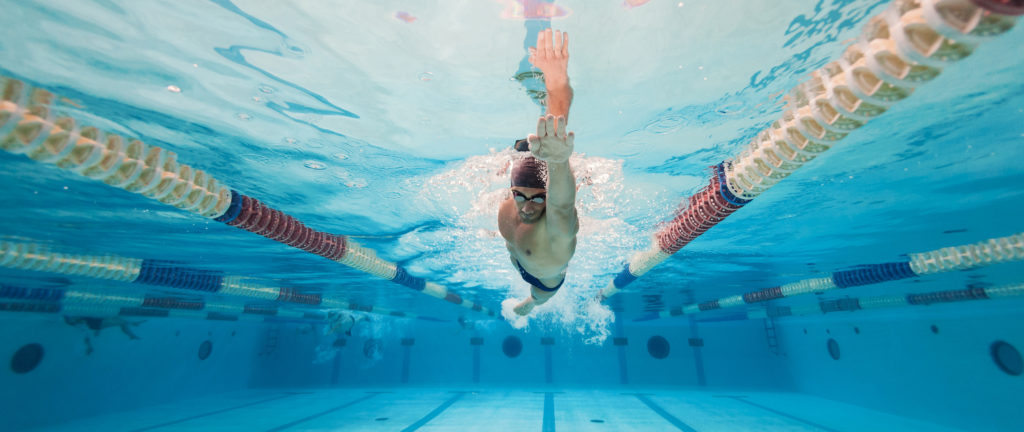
[{"x": 507, "y": 220}]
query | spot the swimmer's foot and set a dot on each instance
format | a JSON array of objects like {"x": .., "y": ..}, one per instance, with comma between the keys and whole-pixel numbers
[{"x": 524, "y": 308}]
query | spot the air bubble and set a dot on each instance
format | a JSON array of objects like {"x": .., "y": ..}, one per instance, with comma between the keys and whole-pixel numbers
[
  {"x": 244, "y": 116},
  {"x": 291, "y": 49},
  {"x": 314, "y": 165},
  {"x": 426, "y": 76},
  {"x": 666, "y": 124},
  {"x": 255, "y": 158},
  {"x": 174, "y": 89},
  {"x": 731, "y": 108},
  {"x": 266, "y": 89}
]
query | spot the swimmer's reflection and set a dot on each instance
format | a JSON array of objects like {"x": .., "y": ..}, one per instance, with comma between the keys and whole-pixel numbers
[{"x": 538, "y": 220}]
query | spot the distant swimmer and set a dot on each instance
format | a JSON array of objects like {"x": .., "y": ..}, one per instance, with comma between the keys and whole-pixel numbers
[
  {"x": 96, "y": 324},
  {"x": 342, "y": 322},
  {"x": 539, "y": 220}
]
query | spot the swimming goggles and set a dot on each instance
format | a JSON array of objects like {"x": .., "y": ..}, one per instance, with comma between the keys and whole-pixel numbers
[{"x": 520, "y": 198}]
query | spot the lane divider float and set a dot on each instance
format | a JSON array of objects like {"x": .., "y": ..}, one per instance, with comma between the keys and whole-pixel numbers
[
  {"x": 899, "y": 49},
  {"x": 105, "y": 302},
  {"x": 30, "y": 125},
  {"x": 964, "y": 257},
  {"x": 36, "y": 257},
  {"x": 880, "y": 302}
]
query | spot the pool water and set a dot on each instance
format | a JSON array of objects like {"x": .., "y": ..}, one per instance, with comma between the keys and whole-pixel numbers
[{"x": 868, "y": 281}]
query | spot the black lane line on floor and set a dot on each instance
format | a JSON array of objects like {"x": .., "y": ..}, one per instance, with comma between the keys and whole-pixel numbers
[
  {"x": 698, "y": 359},
  {"x": 549, "y": 412},
  {"x": 336, "y": 369},
  {"x": 172, "y": 422},
  {"x": 664, "y": 414},
  {"x": 322, "y": 413},
  {"x": 436, "y": 412},
  {"x": 789, "y": 416},
  {"x": 548, "y": 373},
  {"x": 406, "y": 354},
  {"x": 476, "y": 364},
  {"x": 620, "y": 333}
]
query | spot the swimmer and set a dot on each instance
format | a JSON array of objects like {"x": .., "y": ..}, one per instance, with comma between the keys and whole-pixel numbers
[
  {"x": 96, "y": 324},
  {"x": 343, "y": 322},
  {"x": 538, "y": 220},
  {"x": 465, "y": 324}
]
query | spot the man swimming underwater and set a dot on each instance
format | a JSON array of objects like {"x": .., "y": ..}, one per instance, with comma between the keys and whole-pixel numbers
[{"x": 538, "y": 220}]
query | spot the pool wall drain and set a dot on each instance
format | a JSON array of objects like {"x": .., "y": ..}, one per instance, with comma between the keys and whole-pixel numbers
[
  {"x": 107, "y": 302},
  {"x": 36, "y": 257},
  {"x": 30, "y": 125},
  {"x": 964, "y": 257},
  {"x": 899, "y": 49}
]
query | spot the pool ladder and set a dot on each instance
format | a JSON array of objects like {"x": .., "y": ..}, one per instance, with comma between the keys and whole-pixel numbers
[
  {"x": 270, "y": 342},
  {"x": 771, "y": 335}
]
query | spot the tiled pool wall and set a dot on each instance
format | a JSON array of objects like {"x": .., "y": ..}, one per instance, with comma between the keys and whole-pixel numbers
[
  {"x": 723, "y": 354},
  {"x": 120, "y": 373},
  {"x": 933, "y": 363}
]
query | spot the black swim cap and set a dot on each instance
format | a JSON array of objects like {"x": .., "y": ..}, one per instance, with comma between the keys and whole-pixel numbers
[{"x": 529, "y": 172}]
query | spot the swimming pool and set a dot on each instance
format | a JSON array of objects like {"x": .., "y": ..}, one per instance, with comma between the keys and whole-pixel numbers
[{"x": 793, "y": 216}]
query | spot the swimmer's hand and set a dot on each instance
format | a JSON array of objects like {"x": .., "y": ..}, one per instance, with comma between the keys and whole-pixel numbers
[
  {"x": 551, "y": 144},
  {"x": 551, "y": 56}
]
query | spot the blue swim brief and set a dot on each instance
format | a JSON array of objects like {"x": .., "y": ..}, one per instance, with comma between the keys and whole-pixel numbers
[{"x": 532, "y": 280}]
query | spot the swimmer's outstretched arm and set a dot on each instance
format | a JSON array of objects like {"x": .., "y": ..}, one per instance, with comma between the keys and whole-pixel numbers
[
  {"x": 554, "y": 145},
  {"x": 551, "y": 56}
]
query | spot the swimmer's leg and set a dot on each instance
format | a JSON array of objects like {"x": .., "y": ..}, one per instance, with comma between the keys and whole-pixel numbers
[
  {"x": 128, "y": 331},
  {"x": 537, "y": 297}
]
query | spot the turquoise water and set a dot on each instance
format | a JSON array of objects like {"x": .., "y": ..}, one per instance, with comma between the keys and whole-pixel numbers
[{"x": 390, "y": 122}]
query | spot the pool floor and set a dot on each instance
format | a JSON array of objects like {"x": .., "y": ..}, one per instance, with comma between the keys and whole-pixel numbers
[{"x": 494, "y": 409}]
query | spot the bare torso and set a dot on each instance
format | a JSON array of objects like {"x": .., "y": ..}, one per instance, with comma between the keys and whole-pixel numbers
[{"x": 541, "y": 254}]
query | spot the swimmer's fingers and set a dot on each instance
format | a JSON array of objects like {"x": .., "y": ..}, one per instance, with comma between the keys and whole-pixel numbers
[
  {"x": 558, "y": 49},
  {"x": 538, "y": 50},
  {"x": 565, "y": 45},
  {"x": 544, "y": 43},
  {"x": 560, "y": 127},
  {"x": 542, "y": 127},
  {"x": 534, "y": 142},
  {"x": 549, "y": 124}
]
